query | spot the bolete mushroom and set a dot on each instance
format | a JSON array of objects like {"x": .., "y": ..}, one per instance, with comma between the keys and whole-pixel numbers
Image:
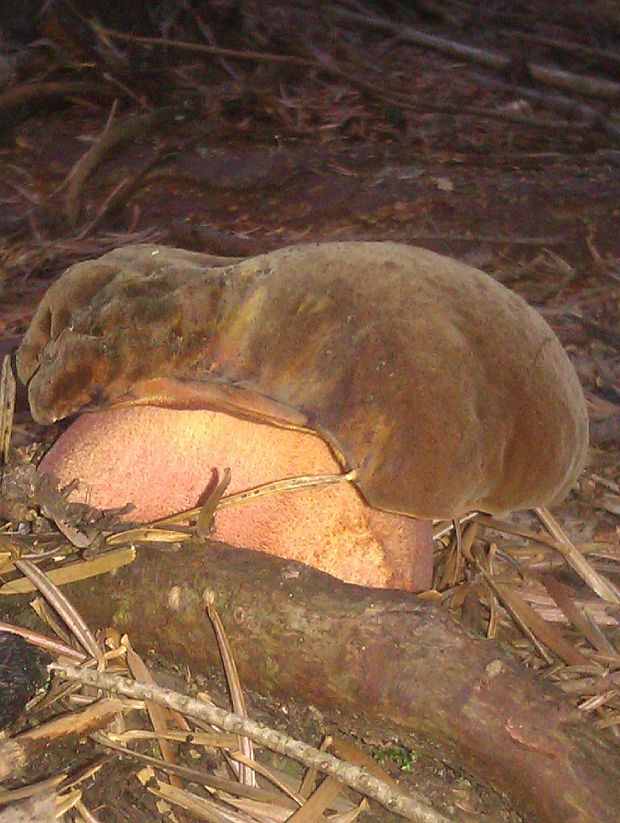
[{"x": 439, "y": 389}]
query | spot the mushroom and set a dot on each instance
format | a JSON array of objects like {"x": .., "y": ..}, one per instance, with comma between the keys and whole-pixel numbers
[{"x": 438, "y": 389}]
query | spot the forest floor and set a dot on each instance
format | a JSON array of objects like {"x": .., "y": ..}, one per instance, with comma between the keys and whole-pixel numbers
[{"x": 371, "y": 138}]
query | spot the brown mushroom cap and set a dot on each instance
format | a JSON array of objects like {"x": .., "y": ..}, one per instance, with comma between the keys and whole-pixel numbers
[{"x": 445, "y": 390}]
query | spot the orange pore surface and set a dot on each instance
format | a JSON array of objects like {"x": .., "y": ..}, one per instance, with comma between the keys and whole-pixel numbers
[{"x": 161, "y": 461}]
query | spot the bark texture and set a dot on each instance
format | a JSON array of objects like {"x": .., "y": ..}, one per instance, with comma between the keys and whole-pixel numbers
[{"x": 384, "y": 653}]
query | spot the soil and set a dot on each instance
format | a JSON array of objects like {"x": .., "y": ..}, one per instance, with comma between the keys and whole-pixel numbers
[{"x": 263, "y": 156}]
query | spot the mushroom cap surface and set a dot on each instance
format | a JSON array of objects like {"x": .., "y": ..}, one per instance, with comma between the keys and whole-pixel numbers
[{"x": 444, "y": 389}]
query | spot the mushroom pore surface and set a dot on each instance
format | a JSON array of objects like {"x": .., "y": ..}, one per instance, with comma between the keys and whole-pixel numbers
[{"x": 161, "y": 461}]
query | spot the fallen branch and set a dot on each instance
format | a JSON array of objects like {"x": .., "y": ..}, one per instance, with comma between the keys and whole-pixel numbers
[
  {"x": 236, "y": 54},
  {"x": 602, "y": 56},
  {"x": 120, "y": 193},
  {"x": 559, "y": 103},
  {"x": 391, "y": 657},
  {"x": 112, "y": 137},
  {"x": 7, "y": 408},
  {"x": 399, "y": 100},
  {"x": 355, "y": 76},
  {"x": 556, "y": 78}
]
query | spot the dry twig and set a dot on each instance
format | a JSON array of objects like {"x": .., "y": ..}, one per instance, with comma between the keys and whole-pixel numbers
[
  {"x": 246, "y": 773},
  {"x": 63, "y": 606},
  {"x": 111, "y": 138},
  {"x": 7, "y": 408},
  {"x": 557, "y": 78},
  {"x": 356, "y": 76},
  {"x": 359, "y": 779}
]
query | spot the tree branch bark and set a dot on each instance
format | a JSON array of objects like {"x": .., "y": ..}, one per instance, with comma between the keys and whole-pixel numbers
[
  {"x": 547, "y": 75},
  {"x": 386, "y": 654}
]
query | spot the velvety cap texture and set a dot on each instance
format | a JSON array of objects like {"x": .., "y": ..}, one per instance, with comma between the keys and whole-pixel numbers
[{"x": 445, "y": 390}]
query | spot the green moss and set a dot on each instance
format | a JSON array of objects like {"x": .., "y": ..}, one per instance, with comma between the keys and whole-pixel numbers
[{"x": 398, "y": 755}]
